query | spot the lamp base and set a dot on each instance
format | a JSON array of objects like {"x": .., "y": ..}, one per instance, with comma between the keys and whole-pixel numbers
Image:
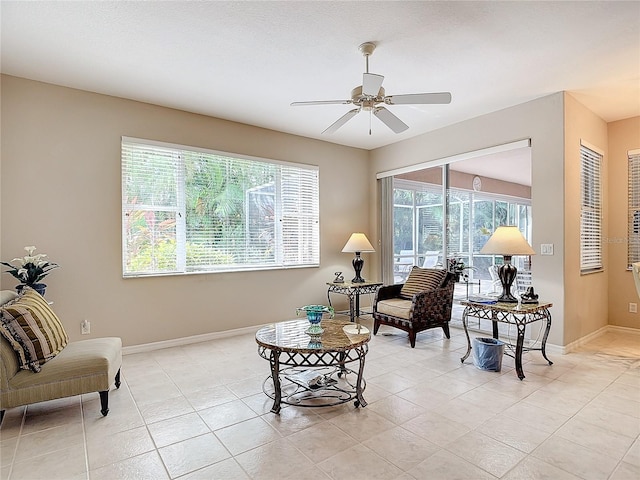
[
  {"x": 507, "y": 274},
  {"x": 508, "y": 298},
  {"x": 357, "y": 263}
]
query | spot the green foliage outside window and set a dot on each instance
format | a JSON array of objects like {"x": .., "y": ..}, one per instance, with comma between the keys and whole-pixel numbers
[
  {"x": 472, "y": 217},
  {"x": 187, "y": 210}
]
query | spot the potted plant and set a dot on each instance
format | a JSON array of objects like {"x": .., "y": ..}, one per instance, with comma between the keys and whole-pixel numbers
[
  {"x": 31, "y": 269},
  {"x": 457, "y": 267}
]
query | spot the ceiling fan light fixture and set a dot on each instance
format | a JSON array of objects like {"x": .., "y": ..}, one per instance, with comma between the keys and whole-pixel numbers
[{"x": 357, "y": 95}]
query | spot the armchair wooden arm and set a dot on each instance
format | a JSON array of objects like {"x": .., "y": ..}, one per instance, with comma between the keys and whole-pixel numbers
[{"x": 386, "y": 292}]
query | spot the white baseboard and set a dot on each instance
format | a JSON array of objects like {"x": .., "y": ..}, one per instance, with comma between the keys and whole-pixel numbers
[
  {"x": 627, "y": 330},
  {"x": 598, "y": 333},
  {"x": 573, "y": 346},
  {"x": 563, "y": 350},
  {"x": 177, "y": 342},
  {"x": 553, "y": 349}
]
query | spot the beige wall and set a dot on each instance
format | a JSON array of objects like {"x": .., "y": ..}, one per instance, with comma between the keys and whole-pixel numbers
[
  {"x": 61, "y": 192},
  {"x": 624, "y": 135},
  {"x": 585, "y": 295},
  {"x": 542, "y": 121}
]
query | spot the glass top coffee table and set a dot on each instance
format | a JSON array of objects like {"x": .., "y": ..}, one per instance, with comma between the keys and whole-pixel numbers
[{"x": 311, "y": 371}]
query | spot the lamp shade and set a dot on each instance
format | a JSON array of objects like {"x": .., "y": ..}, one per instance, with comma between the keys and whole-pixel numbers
[
  {"x": 358, "y": 242},
  {"x": 507, "y": 240}
]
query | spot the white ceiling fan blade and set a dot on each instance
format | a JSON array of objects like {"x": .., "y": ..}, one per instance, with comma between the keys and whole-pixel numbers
[
  {"x": 390, "y": 120},
  {"x": 322, "y": 102},
  {"x": 371, "y": 84},
  {"x": 341, "y": 121},
  {"x": 419, "y": 98}
]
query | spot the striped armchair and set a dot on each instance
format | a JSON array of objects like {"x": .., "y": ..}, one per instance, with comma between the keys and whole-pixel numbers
[{"x": 424, "y": 301}]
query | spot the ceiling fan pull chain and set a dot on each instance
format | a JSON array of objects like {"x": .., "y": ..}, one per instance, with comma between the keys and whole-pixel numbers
[{"x": 369, "y": 122}]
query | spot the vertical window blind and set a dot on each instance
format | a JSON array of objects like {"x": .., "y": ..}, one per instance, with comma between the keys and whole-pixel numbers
[
  {"x": 590, "y": 210},
  {"x": 386, "y": 228},
  {"x": 633, "y": 237},
  {"x": 188, "y": 210}
]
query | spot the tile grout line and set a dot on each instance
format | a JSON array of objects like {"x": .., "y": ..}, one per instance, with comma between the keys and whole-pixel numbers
[
  {"x": 84, "y": 439},
  {"x": 15, "y": 451}
]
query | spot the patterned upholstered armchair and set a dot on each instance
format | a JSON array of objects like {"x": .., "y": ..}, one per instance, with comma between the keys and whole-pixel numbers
[{"x": 423, "y": 302}]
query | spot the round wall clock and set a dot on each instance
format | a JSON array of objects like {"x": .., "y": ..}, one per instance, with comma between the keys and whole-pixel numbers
[{"x": 477, "y": 184}]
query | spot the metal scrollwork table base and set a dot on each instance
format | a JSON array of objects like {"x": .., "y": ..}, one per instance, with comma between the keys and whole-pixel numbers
[
  {"x": 519, "y": 315},
  {"x": 294, "y": 357},
  {"x": 353, "y": 292}
]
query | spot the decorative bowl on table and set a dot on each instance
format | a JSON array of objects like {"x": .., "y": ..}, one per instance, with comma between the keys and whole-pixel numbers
[{"x": 314, "y": 316}]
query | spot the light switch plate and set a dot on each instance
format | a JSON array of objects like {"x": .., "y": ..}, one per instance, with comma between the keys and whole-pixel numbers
[{"x": 546, "y": 249}]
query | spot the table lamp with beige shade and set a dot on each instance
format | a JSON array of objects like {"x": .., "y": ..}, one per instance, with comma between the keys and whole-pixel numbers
[
  {"x": 358, "y": 243},
  {"x": 507, "y": 241}
]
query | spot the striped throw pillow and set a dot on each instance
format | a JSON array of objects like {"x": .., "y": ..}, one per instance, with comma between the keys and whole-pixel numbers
[
  {"x": 32, "y": 329},
  {"x": 421, "y": 279}
]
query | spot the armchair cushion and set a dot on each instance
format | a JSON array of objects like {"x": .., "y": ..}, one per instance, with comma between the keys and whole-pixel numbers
[
  {"x": 396, "y": 307},
  {"x": 33, "y": 330},
  {"x": 421, "y": 279}
]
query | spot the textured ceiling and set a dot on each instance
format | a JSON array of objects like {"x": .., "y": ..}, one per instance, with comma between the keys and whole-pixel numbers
[{"x": 247, "y": 61}]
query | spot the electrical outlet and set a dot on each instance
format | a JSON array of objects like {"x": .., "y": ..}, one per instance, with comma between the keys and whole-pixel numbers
[
  {"x": 633, "y": 308},
  {"x": 85, "y": 327}
]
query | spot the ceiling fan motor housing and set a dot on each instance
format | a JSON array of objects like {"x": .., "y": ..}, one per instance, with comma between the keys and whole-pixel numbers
[{"x": 366, "y": 102}]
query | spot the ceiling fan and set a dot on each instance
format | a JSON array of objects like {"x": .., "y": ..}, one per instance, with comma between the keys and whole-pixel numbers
[{"x": 370, "y": 97}]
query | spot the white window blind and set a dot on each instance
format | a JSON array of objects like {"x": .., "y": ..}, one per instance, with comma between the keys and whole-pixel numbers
[
  {"x": 633, "y": 243},
  {"x": 591, "y": 210},
  {"x": 188, "y": 210}
]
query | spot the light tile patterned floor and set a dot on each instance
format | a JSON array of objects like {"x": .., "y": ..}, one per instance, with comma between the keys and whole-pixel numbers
[{"x": 198, "y": 412}]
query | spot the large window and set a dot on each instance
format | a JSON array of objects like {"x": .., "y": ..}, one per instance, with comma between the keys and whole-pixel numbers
[
  {"x": 188, "y": 210},
  {"x": 590, "y": 210}
]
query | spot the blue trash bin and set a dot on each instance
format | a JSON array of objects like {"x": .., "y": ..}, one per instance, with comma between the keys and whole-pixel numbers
[{"x": 487, "y": 353}]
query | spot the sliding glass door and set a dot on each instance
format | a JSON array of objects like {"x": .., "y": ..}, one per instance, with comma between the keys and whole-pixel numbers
[
  {"x": 429, "y": 213},
  {"x": 473, "y": 217},
  {"x": 418, "y": 222}
]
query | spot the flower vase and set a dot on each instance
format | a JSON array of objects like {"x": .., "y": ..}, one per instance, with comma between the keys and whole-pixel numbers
[
  {"x": 314, "y": 316},
  {"x": 38, "y": 287}
]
